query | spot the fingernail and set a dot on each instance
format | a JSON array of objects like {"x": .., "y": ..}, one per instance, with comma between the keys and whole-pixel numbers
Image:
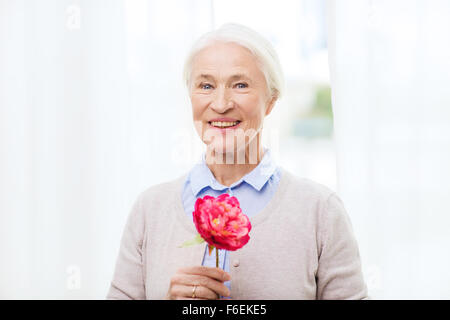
[{"x": 226, "y": 276}]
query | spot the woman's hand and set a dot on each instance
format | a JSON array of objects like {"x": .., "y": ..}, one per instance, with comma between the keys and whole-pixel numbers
[{"x": 208, "y": 283}]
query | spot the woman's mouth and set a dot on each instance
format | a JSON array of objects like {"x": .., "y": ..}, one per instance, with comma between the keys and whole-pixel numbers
[{"x": 224, "y": 124}]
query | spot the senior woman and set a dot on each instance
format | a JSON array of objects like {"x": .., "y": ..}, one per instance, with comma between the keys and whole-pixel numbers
[{"x": 301, "y": 242}]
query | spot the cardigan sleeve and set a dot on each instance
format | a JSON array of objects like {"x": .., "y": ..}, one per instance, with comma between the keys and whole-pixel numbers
[
  {"x": 339, "y": 274},
  {"x": 128, "y": 279}
]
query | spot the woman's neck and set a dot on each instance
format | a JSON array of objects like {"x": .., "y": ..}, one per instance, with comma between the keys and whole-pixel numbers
[{"x": 229, "y": 168}]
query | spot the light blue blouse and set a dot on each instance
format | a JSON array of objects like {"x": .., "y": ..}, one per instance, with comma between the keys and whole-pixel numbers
[{"x": 254, "y": 191}]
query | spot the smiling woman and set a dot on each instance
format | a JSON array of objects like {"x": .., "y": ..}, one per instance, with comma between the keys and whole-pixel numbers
[{"x": 301, "y": 242}]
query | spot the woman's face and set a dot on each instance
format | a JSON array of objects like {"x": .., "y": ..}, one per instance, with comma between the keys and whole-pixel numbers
[{"x": 229, "y": 96}]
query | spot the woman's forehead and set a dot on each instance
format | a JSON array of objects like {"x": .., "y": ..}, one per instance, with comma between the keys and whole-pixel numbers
[
  {"x": 230, "y": 74},
  {"x": 224, "y": 53},
  {"x": 225, "y": 59}
]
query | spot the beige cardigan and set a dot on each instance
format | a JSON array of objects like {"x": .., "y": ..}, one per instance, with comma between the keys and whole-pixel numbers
[{"x": 301, "y": 246}]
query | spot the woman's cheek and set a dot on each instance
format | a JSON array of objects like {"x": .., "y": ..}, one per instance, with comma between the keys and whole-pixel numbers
[
  {"x": 251, "y": 106},
  {"x": 253, "y": 118},
  {"x": 196, "y": 109}
]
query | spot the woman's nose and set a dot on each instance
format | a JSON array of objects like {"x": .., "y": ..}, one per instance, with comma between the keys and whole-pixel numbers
[{"x": 221, "y": 102}]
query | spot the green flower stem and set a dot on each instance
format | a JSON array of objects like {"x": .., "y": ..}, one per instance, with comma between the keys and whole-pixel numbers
[{"x": 217, "y": 257}]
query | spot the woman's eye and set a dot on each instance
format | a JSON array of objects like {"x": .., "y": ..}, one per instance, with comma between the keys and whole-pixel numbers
[
  {"x": 241, "y": 85},
  {"x": 205, "y": 86}
]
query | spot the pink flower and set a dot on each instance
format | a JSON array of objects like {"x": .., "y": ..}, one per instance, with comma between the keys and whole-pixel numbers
[{"x": 221, "y": 223}]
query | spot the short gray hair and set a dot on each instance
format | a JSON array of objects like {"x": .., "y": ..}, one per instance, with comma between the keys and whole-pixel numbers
[{"x": 261, "y": 48}]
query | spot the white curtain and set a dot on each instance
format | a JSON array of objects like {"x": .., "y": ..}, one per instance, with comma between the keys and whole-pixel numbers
[
  {"x": 91, "y": 104},
  {"x": 390, "y": 74}
]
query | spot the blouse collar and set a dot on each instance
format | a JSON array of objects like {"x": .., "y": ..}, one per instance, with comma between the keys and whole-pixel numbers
[{"x": 201, "y": 176}]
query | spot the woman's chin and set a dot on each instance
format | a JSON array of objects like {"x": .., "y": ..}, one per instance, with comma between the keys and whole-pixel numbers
[{"x": 223, "y": 150}]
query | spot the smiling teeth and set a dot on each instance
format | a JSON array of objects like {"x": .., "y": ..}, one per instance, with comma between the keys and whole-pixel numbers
[{"x": 224, "y": 124}]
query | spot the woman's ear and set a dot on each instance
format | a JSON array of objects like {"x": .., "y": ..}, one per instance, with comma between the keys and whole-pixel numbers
[{"x": 271, "y": 104}]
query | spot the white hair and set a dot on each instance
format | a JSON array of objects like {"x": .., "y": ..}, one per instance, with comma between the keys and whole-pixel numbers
[{"x": 261, "y": 48}]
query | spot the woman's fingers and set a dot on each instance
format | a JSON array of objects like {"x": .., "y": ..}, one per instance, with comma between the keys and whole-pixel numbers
[
  {"x": 186, "y": 292},
  {"x": 205, "y": 282},
  {"x": 214, "y": 273},
  {"x": 208, "y": 283}
]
